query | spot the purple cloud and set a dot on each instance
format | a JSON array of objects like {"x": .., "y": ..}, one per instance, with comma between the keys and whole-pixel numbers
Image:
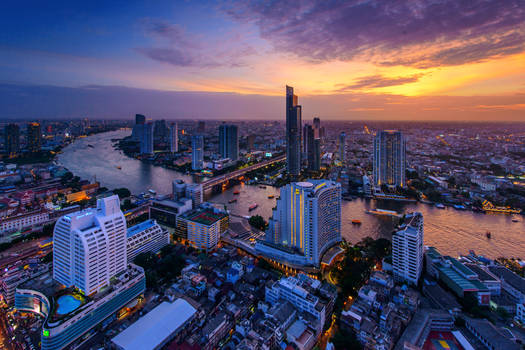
[
  {"x": 414, "y": 33},
  {"x": 378, "y": 81},
  {"x": 183, "y": 49}
]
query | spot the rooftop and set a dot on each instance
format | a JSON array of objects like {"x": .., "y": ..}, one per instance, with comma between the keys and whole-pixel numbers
[
  {"x": 204, "y": 216},
  {"x": 53, "y": 290},
  {"x": 482, "y": 274},
  {"x": 133, "y": 230},
  {"x": 154, "y": 328},
  {"x": 491, "y": 334},
  {"x": 510, "y": 277}
]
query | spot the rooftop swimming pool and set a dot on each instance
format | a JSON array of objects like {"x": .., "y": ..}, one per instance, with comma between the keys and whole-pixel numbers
[{"x": 67, "y": 303}]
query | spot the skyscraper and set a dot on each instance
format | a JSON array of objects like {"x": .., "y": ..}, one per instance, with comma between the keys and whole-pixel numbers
[
  {"x": 174, "y": 138},
  {"x": 293, "y": 133},
  {"x": 12, "y": 140},
  {"x": 342, "y": 147},
  {"x": 89, "y": 246},
  {"x": 136, "y": 133},
  {"x": 197, "y": 152},
  {"x": 407, "y": 249},
  {"x": 306, "y": 220},
  {"x": 229, "y": 141},
  {"x": 146, "y": 141},
  {"x": 34, "y": 137},
  {"x": 389, "y": 158},
  {"x": 140, "y": 119},
  {"x": 161, "y": 131},
  {"x": 316, "y": 155},
  {"x": 308, "y": 143},
  {"x": 317, "y": 127}
]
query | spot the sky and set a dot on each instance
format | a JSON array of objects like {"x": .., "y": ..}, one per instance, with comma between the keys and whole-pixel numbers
[{"x": 347, "y": 60}]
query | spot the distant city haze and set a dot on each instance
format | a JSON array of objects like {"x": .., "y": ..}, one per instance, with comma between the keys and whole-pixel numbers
[{"x": 113, "y": 102}]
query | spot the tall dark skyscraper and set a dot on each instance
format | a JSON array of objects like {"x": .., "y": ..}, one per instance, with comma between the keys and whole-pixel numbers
[
  {"x": 389, "y": 158},
  {"x": 34, "y": 137},
  {"x": 161, "y": 132},
  {"x": 308, "y": 144},
  {"x": 12, "y": 140},
  {"x": 140, "y": 119},
  {"x": 317, "y": 127},
  {"x": 229, "y": 141},
  {"x": 293, "y": 133},
  {"x": 316, "y": 155},
  {"x": 138, "y": 128}
]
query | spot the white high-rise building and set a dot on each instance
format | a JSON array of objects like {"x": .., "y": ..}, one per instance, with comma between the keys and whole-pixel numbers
[
  {"x": 89, "y": 246},
  {"x": 407, "y": 249},
  {"x": 174, "y": 138},
  {"x": 306, "y": 221}
]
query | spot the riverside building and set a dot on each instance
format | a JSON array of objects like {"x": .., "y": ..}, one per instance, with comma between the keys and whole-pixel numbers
[
  {"x": 293, "y": 133},
  {"x": 147, "y": 236},
  {"x": 389, "y": 158},
  {"x": 305, "y": 223},
  {"x": 407, "y": 249}
]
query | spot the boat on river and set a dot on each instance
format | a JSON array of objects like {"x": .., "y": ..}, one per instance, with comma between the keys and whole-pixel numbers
[
  {"x": 379, "y": 211},
  {"x": 488, "y": 234},
  {"x": 440, "y": 206},
  {"x": 253, "y": 206},
  {"x": 271, "y": 196},
  {"x": 356, "y": 222},
  {"x": 236, "y": 192},
  {"x": 232, "y": 200}
]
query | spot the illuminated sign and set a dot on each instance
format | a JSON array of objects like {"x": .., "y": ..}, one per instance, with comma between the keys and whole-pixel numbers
[
  {"x": 45, "y": 332},
  {"x": 268, "y": 154}
]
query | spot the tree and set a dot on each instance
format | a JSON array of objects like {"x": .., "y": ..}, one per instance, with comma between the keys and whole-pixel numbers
[
  {"x": 122, "y": 192},
  {"x": 345, "y": 340},
  {"x": 258, "y": 221}
]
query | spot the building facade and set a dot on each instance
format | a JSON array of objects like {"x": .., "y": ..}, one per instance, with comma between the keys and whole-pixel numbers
[
  {"x": 147, "y": 139},
  {"x": 407, "y": 249},
  {"x": 24, "y": 220},
  {"x": 197, "y": 152},
  {"x": 389, "y": 158},
  {"x": 145, "y": 237},
  {"x": 34, "y": 137},
  {"x": 90, "y": 246},
  {"x": 174, "y": 138},
  {"x": 306, "y": 221},
  {"x": 229, "y": 141},
  {"x": 12, "y": 140},
  {"x": 293, "y": 133},
  {"x": 204, "y": 227}
]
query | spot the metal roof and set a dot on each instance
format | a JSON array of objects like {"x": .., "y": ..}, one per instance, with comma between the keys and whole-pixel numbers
[{"x": 156, "y": 327}]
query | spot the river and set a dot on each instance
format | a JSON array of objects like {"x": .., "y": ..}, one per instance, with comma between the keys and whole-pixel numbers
[{"x": 451, "y": 231}]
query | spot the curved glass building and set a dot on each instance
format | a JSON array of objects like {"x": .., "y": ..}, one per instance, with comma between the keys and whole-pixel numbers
[{"x": 305, "y": 223}]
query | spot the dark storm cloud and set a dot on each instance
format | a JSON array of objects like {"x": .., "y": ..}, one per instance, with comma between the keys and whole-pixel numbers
[
  {"x": 378, "y": 81},
  {"x": 415, "y": 33}
]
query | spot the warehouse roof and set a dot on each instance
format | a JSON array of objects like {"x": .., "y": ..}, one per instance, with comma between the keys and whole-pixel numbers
[{"x": 157, "y": 327}]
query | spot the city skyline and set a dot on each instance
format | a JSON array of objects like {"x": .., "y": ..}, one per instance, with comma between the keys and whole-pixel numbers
[{"x": 442, "y": 61}]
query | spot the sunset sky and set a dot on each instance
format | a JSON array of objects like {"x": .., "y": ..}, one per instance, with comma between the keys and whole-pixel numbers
[{"x": 419, "y": 60}]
